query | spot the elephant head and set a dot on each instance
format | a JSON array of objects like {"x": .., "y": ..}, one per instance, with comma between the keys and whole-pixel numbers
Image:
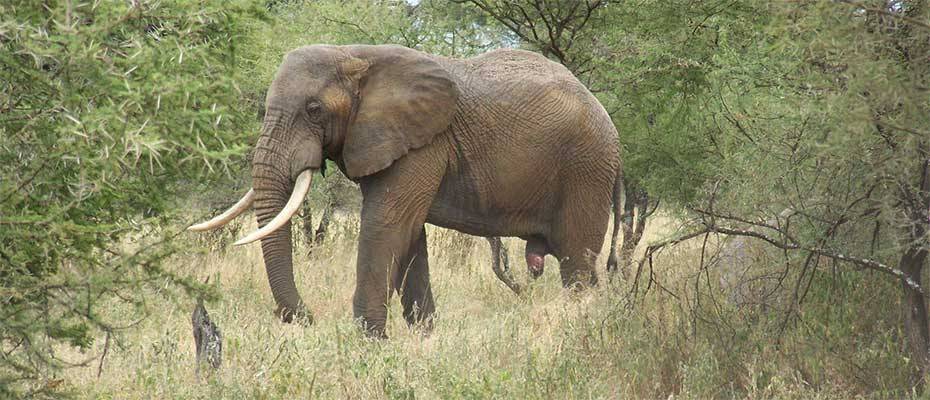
[{"x": 360, "y": 106}]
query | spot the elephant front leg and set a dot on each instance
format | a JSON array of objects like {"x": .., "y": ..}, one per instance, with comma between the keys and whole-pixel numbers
[
  {"x": 381, "y": 251},
  {"x": 413, "y": 285},
  {"x": 394, "y": 208}
]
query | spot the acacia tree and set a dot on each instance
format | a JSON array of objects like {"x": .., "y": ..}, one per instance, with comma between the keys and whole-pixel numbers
[
  {"x": 858, "y": 150},
  {"x": 107, "y": 110}
]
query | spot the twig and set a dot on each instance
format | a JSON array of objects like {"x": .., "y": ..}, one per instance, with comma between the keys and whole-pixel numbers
[
  {"x": 26, "y": 181},
  {"x": 352, "y": 25},
  {"x": 788, "y": 244},
  {"x": 862, "y": 262},
  {"x": 655, "y": 208},
  {"x": 106, "y": 348},
  {"x": 652, "y": 249},
  {"x": 902, "y": 128}
]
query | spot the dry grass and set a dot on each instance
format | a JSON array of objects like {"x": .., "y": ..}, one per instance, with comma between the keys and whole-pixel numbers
[{"x": 487, "y": 342}]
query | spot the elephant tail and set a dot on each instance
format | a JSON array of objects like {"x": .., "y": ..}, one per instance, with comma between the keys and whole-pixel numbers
[{"x": 617, "y": 200}]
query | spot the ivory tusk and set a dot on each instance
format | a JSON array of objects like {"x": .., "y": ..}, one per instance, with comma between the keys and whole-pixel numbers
[
  {"x": 301, "y": 187},
  {"x": 240, "y": 207}
]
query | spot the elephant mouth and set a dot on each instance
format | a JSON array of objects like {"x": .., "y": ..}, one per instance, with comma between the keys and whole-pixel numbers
[{"x": 301, "y": 188}]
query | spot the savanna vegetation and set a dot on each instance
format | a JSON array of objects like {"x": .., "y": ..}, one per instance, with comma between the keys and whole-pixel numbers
[{"x": 775, "y": 233}]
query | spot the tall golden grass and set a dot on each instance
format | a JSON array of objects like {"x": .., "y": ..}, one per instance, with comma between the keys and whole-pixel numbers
[{"x": 487, "y": 341}]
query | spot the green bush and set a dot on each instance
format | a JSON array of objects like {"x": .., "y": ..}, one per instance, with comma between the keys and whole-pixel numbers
[{"x": 107, "y": 110}]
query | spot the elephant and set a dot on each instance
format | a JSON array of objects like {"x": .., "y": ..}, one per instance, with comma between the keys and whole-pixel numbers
[{"x": 506, "y": 143}]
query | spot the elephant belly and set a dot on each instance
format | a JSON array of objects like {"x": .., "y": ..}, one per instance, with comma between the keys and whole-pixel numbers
[
  {"x": 469, "y": 208},
  {"x": 482, "y": 225}
]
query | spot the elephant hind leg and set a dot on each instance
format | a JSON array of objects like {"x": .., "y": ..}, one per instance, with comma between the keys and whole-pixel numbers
[
  {"x": 578, "y": 237},
  {"x": 412, "y": 283}
]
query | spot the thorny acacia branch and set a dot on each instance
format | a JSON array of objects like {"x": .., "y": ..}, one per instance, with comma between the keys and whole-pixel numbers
[{"x": 782, "y": 241}]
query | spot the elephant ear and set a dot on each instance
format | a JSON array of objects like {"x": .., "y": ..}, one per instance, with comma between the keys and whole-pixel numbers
[{"x": 405, "y": 99}]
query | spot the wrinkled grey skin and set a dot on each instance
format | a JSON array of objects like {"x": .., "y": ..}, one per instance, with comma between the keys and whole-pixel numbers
[{"x": 503, "y": 144}]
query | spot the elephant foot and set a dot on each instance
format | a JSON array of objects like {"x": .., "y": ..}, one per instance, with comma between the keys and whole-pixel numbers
[
  {"x": 425, "y": 328},
  {"x": 577, "y": 279},
  {"x": 420, "y": 323},
  {"x": 371, "y": 330},
  {"x": 612, "y": 263}
]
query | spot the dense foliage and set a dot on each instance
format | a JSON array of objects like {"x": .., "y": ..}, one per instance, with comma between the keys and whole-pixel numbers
[
  {"x": 826, "y": 135},
  {"x": 107, "y": 110}
]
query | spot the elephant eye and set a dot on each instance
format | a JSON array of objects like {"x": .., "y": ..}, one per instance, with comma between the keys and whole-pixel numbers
[{"x": 313, "y": 108}]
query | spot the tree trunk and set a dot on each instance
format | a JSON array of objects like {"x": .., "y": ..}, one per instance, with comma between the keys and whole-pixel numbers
[
  {"x": 324, "y": 222},
  {"x": 207, "y": 338},
  {"x": 626, "y": 227},
  {"x": 916, "y": 322},
  {"x": 306, "y": 222},
  {"x": 636, "y": 200},
  {"x": 916, "y": 325}
]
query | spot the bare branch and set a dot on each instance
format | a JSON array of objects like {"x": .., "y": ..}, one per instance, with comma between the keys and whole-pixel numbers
[
  {"x": 552, "y": 29},
  {"x": 351, "y": 25},
  {"x": 902, "y": 129}
]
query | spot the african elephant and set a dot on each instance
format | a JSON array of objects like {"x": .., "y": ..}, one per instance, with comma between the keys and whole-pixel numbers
[{"x": 507, "y": 143}]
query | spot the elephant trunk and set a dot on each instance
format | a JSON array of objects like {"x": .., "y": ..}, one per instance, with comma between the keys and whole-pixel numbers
[
  {"x": 271, "y": 197},
  {"x": 273, "y": 185},
  {"x": 277, "y": 253}
]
